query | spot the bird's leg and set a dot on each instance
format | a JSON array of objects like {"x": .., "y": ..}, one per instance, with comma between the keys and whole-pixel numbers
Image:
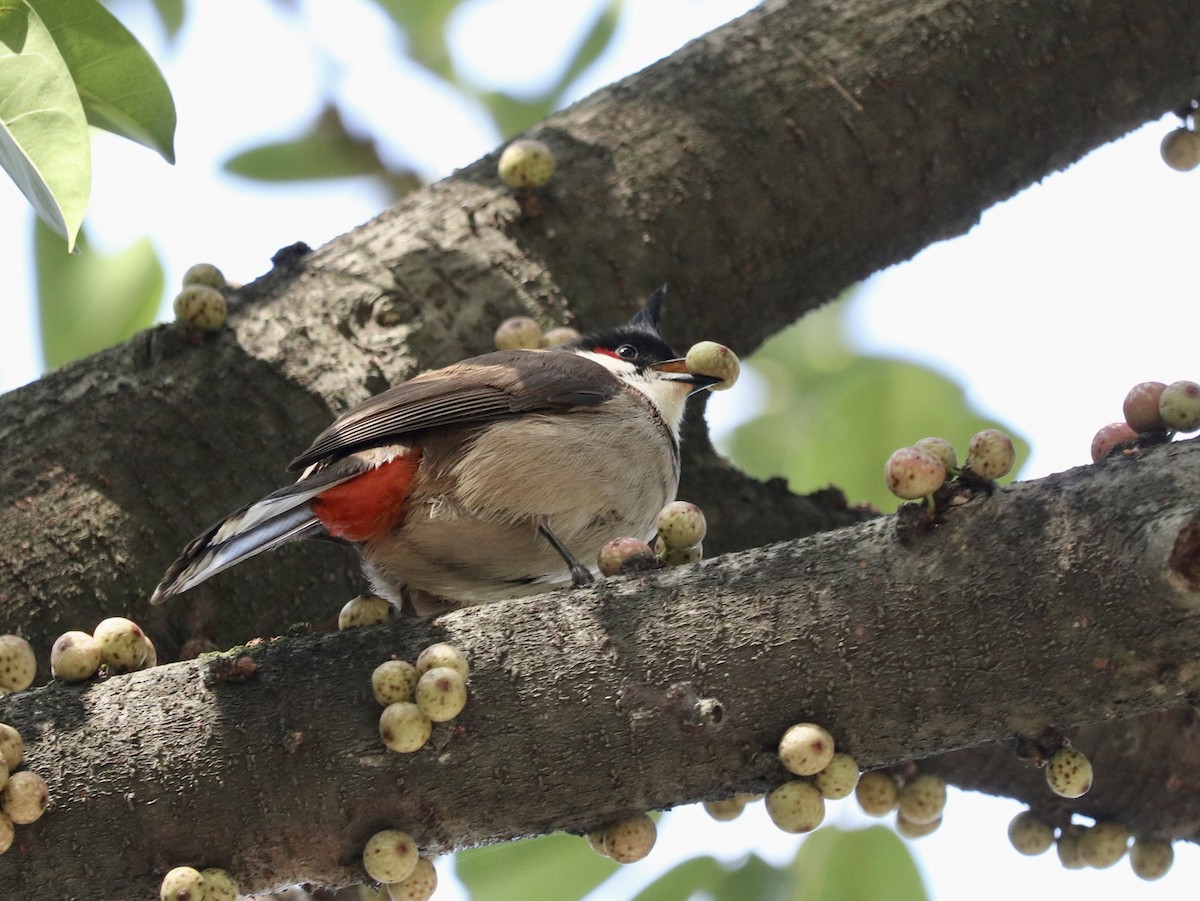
[{"x": 580, "y": 575}]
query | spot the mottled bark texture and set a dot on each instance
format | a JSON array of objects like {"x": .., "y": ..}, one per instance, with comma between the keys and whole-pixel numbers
[
  {"x": 1048, "y": 605},
  {"x": 759, "y": 171}
]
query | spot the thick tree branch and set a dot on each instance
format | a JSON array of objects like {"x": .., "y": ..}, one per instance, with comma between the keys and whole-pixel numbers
[
  {"x": 1053, "y": 603},
  {"x": 759, "y": 170}
]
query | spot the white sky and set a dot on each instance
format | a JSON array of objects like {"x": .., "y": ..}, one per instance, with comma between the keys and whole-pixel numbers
[{"x": 1069, "y": 294}]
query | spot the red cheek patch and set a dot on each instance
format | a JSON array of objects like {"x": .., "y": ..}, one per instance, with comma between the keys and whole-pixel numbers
[{"x": 370, "y": 505}]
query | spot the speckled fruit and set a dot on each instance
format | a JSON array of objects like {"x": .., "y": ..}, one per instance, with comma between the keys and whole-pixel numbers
[
  {"x": 912, "y": 473},
  {"x": 1029, "y": 835},
  {"x": 526, "y": 163},
  {"x": 12, "y": 747},
  {"x": 1151, "y": 858},
  {"x": 204, "y": 274},
  {"x": 404, "y": 728},
  {"x": 630, "y": 839},
  {"x": 922, "y": 799},
  {"x": 990, "y": 454},
  {"x": 595, "y": 840},
  {"x": 678, "y": 556},
  {"x": 441, "y": 693},
  {"x": 806, "y": 749},
  {"x": 18, "y": 666},
  {"x": 25, "y": 797},
  {"x": 151, "y": 653},
  {"x": 420, "y": 886},
  {"x": 183, "y": 884},
  {"x": 518, "y": 333},
  {"x": 219, "y": 885},
  {"x": 912, "y": 830},
  {"x": 796, "y": 807},
  {"x": 1069, "y": 848},
  {"x": 442, "y": 654},
  {"x": 681, "y": 525},
  {"x": 74, "y": 656},
  {"x": 877, "y": 793},
  {"x": 942, "y": 449},
  {"x": 561, "y": 334},
  {"x": 1104, "y": 844},
  {"x": 1109, "y": 437},
  {"x": 1179, "y": 406},
  {"x": 201, "y": 307},
  {"x": 624, "y": 556},
  {"x": 1141, "y": 407},
  {"x": 394, "y": 681},
  {"x": 838, "y": 779},
  {"x": 390, "y": 856},
  {"x": 364, "y": 610},
  {"x": 725, "y": 809},
  {"x": 1069, "y": 773},
  {"x": 122, "y": 644},
  {"x": 716, "y": 360},
  {"x": 7, "y": 832},
  {"x": 1180, "y": 149}
]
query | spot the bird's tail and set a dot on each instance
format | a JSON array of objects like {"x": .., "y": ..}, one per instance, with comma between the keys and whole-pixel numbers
[{"x": 283, "y": 516}]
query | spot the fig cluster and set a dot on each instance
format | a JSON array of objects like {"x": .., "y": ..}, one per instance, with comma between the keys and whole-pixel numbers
[
  {"x": 1154, "y": 412},
  {"x": 414, "y": 697},
  {"x": 117, "y": 644},
  {"x": 1101, "y": 845},
  {"x": 808, "y": 750},
  {"x": 524, "y": 333},
  {"x": 191, "y": 884},
  {"x": 24, "y": 795},
  {"x": 679, "y": 534},
  {"x": 917, "y": 472},
  {"x": 391, "y": 858},
  {"x": 200, "y": 304},
  {"x": 626, "y": 840}
]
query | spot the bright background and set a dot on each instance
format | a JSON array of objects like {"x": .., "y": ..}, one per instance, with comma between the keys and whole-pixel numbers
[{"x": 1047, "y": 312}]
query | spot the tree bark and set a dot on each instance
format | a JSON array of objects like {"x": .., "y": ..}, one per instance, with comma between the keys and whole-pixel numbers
[
  {"x": 759, "y": 171},
  {"x": 1046, "y": 606}
]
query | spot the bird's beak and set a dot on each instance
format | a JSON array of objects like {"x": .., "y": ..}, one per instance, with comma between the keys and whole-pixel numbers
[{"x": 676, "y": 371}]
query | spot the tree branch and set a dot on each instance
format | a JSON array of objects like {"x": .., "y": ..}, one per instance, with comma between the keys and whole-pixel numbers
[{"x": 1060, "y": 602}]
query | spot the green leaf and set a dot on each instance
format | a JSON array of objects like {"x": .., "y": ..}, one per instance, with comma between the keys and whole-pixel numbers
[
  {"x": 835, "y": 417},
  {"x": 44, "y": 142},
  {"x": 122, "y": 89},
  {"x": 757, "y": 879},
  {"x": 171, "y": 13},
  {"x": 871, "y": 864},
  {"x": 326, "y": 150},
  {"x": 518, "y": 871},
  {"x": 90, "y": 301},
  {"x": 683, "y": 880},
  {"x": 424, "y": 23},
  {"x": 599, "y": 35}
]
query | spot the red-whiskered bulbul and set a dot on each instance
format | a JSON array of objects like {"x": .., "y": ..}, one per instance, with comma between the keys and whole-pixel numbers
[{"x": 485, "y": 480}]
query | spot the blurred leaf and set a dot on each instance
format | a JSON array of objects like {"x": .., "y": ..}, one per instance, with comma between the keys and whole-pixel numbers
[
  {"x": 326, "y": 150},
  {"x": 121, "y": 88},
  {"x": 835, "y": 417},
  {"x": 519, "y": 871},
  {"x": 90, "y": 300},
  {"x": 171, "y": 13},
  {"x": 44, "y": 142},
  {"x": 871, "y": 864},
  {"x": 513, "y": 115},
  {"x": 755, "y": 879},
  {"x": 424, "y": 24},
  {"x": 599, "y": 35},
  {"x": 683, "y": 880}
]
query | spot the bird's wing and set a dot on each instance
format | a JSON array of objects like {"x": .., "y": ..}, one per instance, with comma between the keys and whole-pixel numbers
[{"x": 492, "y": 386}]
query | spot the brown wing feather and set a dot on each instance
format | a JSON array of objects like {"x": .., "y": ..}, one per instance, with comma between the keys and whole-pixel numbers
[{"x": 487, "y": 387}]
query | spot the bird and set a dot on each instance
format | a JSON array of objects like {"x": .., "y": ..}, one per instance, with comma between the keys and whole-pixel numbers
[{"x": 489, "y": 479}]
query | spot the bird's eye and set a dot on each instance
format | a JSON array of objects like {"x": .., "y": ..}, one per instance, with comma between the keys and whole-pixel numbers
[{"x": 627, "y": 352}]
